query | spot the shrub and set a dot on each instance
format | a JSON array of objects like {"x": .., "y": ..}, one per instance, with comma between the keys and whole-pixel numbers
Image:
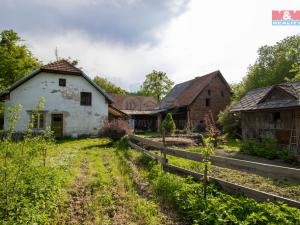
[
  {"x": 122, "y": 144},
  {"x": 266, "y": 147},
  {"x": 115, "y": 129},
  {"x": 168, "y": 124},
  {"x": 230, "y": 123}
]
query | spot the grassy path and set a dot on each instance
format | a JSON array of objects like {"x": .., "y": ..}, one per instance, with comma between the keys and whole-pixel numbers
[{"x": 106, "y": 190}]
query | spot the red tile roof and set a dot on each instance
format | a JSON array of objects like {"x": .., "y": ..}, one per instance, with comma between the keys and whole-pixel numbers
[
  {"x": 61, "y": 66},
  {"x": 137, "y": 103}
]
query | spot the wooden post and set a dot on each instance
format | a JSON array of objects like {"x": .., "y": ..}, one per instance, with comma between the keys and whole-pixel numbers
[
  {"x": 188, "y": 117},
  {"x": 205, "y": 180},
  {"x": 159, "y": 119},
  {"x": 164, "y": 144}
]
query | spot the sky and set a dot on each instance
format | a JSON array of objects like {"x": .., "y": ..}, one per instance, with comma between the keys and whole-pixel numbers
[{"x": 124, "y": 40}]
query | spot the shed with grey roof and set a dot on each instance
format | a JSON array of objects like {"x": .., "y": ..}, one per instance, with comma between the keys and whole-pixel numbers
[{"x": 274, "y": 110}]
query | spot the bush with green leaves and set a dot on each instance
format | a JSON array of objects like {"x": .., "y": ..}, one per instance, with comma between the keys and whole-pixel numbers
[
  {"x": 168, "y": 124},
  {"x": 266, "y": 147}
]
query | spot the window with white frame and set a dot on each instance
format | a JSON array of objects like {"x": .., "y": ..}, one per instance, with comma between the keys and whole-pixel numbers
[{"x": 37, "y": 120}]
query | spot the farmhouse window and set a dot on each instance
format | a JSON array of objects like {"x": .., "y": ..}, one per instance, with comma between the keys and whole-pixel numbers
[
  {"x": 85, "y": 98},
  {"x": 208, "y": 92},
  {"x": 207, "y": 102},
  {"x": 222, "y": 93},
  {"x": 62, "y": 82},
  {"x": 37, "y": 120}
]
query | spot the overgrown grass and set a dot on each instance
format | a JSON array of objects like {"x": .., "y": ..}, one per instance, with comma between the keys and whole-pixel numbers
[
  {"x": 277, "y": 187},
  {"x": 220, "y": 208},
  {"x": 111, "y": 195},
  {"x": 32, "y": 183},
  {"x": 231, "y": 145}
]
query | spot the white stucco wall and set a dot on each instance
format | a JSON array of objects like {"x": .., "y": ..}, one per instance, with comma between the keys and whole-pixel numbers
[{"x": 77, "y": 119}]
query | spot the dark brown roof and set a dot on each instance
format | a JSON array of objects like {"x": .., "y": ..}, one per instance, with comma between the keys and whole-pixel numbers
[
  {"x": 136, "y": 103},
  {"x": 183, "y": 94},
  {"x": 59, "y": 67},
  {"x": 116, "y": 112},
  {"x": 254, "y": 99}
]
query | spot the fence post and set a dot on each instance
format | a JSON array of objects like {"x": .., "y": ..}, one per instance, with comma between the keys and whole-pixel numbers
[{"x": 205, "y": 180}]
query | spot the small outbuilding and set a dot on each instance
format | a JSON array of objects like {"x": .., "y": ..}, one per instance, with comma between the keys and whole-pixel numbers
[{"x": 274, "y": 110}]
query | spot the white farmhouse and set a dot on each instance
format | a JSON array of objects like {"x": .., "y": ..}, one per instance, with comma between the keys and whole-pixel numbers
[{"x": 74, "y": 104}]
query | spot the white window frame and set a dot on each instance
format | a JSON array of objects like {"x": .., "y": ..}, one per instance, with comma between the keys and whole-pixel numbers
[{"x": 39, "y": 126}]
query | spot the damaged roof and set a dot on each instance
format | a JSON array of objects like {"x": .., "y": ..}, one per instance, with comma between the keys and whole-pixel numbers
[
  {"x": 183, "y": 94},
  {"x": 132, "y": 104},
  {"x": 257, "y": 99},
  {"x": 60, "y": 67}
]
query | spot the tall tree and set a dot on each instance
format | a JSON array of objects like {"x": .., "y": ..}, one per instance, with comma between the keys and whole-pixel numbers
[
  {"x": 15, "y": 59},
  {"x": 108, "y": 86},
  {"x": 157, "y": 84}
]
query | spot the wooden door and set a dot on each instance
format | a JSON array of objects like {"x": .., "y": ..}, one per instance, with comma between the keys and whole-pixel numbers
[{"x": 57, "y": 125}]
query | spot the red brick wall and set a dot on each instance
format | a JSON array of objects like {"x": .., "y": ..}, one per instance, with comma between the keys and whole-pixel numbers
[{"x": 218, "y": 102}]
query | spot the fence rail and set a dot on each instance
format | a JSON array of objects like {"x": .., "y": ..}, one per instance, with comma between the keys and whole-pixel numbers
[
  {"x": 266, "y": 170},
  {"x": 229, "y": 187}
]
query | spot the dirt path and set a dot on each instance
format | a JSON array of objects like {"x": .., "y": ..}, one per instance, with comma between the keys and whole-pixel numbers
[{"x": 79, "y": 195}]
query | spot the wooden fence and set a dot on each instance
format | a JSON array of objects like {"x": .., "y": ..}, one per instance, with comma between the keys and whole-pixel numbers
[
  {"x": 222, "y": 162},
  {"x": 271, "y": 171}
]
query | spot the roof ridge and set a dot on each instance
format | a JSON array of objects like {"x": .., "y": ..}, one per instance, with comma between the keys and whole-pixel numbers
[
  {"x": 60, "y": 64},
  {"x": 270, "y": 86}
]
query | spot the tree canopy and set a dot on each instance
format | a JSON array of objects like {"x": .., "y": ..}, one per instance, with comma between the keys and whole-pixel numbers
[
  {"x": 275, "y": 64},
  {"x": 16, "y": 60},
  {"x": 157, "y": 84},
  {"x": 108, "y": 86}
]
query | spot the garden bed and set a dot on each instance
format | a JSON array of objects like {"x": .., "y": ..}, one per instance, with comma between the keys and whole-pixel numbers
[{"x": 178, "y": 141}]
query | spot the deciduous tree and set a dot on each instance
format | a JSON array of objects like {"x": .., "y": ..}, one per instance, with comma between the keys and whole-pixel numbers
[
  {"x": 157, "y": 84},
  {"x": 108, "y": 86},
  {"x": 16, "y": 60}
]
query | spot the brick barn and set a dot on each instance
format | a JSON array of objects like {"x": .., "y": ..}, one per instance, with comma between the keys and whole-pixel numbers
[{"x": 190, "y": 101}]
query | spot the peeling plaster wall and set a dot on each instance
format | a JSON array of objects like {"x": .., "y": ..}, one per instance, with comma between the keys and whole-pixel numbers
[{"x": 78, "y": 119}]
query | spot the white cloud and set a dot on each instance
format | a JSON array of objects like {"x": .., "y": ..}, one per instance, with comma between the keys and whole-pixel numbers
[{"x": 210, "y": 35}]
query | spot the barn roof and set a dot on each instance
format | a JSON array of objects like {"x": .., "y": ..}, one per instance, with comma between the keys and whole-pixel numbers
[
  {"x": 134, "y": 104},
  {"x": 60, "y": 67},
  {"x": 183, "y": 94},
  {"x": 254, "y": 99}
]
